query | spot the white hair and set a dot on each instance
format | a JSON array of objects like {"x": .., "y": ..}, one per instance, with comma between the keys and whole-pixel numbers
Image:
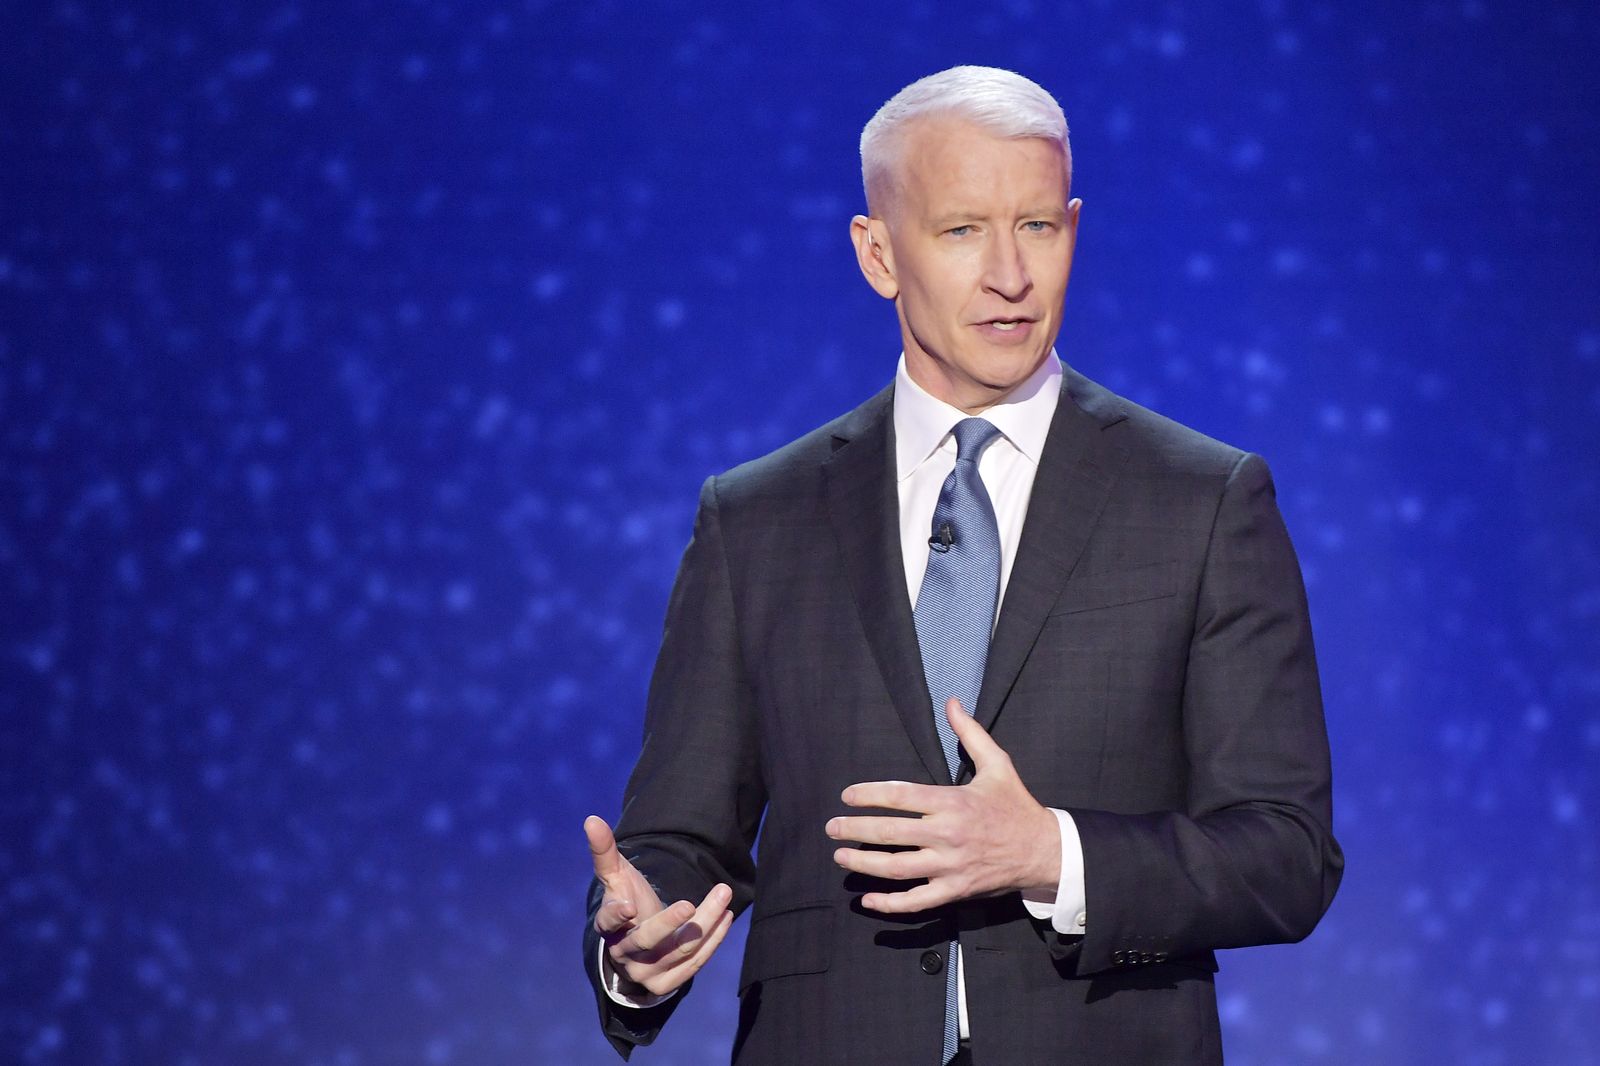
[{"x": 1001, "y": 101}]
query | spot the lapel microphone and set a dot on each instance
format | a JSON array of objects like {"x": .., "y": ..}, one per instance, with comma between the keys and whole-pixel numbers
[{"x": 941, "y": 541}]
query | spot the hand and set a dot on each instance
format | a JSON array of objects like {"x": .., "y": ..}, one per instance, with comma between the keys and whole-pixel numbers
[
  {"x": 984, "y": 838},
  {"x": 653, "y": 947}
]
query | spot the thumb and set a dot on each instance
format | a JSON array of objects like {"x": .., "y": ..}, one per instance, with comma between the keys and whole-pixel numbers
[
  {"x": 608, "y": 861},
  {"x": 979, "y": 744}
]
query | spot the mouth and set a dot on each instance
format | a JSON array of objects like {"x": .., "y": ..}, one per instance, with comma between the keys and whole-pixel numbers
[{"x": 1006, "y": 326}]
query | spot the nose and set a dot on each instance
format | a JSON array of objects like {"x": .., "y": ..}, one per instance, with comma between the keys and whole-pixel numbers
[{"x": 1005, "y": 271}]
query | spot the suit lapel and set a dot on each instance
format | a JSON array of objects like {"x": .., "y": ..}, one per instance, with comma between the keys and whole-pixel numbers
[
  {"x": 1077, "y": 468},
  {"x": 864, "y": 508}
]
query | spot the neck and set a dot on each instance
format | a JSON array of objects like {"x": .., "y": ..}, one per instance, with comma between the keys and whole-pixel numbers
[{"x": 966, "y": 395}]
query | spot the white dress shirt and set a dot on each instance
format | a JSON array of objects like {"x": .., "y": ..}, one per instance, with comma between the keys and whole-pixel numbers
[{"x": 925, "y": 453}]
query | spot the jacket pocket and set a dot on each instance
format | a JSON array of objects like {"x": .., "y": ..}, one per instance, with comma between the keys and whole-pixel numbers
[
  {"x": 793, "y": 940},
  {"x": 1113, "y": 588}
]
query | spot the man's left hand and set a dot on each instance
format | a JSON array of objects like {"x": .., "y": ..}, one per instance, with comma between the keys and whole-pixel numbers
[{"x": 984, "y": 838}]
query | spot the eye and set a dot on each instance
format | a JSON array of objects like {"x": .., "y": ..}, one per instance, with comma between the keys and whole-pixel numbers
[
  {"x": 1037, "y": 226},
  {"x": 958, "y": 231}
]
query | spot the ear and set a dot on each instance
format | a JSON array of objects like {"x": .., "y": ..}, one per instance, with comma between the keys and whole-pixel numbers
[
  {"x": 1073, "y": 208},
  {"x": 873, "y": 254}
]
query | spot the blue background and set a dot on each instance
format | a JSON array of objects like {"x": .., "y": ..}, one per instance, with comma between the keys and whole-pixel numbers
[{"x": 361, "y": 362}]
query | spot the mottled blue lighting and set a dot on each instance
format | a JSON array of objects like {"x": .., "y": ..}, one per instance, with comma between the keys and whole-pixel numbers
[{"x": 359, "y": 366}]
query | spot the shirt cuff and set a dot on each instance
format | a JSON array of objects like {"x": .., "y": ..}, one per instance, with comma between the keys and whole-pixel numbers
[
  {"x": 1068, "y": 914},
  {"x": 611, "y": 981}
]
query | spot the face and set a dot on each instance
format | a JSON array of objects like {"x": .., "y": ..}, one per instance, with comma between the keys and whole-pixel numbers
[{"x": 974, "y": 248}]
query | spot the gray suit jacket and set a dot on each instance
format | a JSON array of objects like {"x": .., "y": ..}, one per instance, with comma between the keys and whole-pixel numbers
[{"x": 1151, "y": 672}]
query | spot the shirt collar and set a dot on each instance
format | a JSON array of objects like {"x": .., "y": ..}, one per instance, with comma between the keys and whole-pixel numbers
[{"x": 921, "y": 422}]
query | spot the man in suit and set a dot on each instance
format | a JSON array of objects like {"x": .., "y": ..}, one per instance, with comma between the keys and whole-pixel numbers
[{"x": 1014, "y": 677}]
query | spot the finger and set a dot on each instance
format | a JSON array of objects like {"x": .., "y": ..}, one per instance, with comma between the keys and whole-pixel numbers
[
  {"x": 614, "y": 915},
  {"x": 670, "y": 978},
  {"x": 890, "y": 865},
  {"x": 646, "y": 940},
  {"x": 668, "y": 938},
  {"x": 893, "y": 796},
  {"x": 707, "y": 945},
  {"x": 921, "y": 898},
  {"x": 686, "y": 940},
  {"x": 980, "y": 746},
  {"x": 886, "y": 830},
  {"x": 608, "y": 861}
]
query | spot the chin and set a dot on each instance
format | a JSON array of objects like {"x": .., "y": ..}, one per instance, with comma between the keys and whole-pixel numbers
[{"x": 1009, "y": 369}]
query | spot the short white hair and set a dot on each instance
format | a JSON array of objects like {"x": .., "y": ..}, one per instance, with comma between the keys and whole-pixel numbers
[{"x": 1001, "y": 101}]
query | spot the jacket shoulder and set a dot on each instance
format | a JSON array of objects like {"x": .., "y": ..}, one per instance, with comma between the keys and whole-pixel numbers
[
  {"x": 1155, "y": 444},
  {"x": 795, "y": 468}
]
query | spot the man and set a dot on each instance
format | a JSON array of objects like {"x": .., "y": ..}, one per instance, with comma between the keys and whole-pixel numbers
[{"x": 1014, "y": 677}]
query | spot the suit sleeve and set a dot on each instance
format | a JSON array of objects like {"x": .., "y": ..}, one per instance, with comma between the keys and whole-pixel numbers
[
  {"x": 694, "y": 801},
  {"x": 1252, "y": 860}
]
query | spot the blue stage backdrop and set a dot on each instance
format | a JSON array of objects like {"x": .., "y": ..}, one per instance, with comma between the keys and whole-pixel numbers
[{"x": 361, "y": 363}]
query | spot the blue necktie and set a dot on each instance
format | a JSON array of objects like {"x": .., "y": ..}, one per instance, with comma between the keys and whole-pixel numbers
[{"x": 955, "y": 615}]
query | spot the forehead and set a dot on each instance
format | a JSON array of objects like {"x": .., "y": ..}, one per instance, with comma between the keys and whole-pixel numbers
[{"x": 951, "y": 163}]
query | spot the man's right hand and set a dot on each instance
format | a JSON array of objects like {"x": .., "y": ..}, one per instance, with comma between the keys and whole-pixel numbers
[{"x": 655, "y": 949}]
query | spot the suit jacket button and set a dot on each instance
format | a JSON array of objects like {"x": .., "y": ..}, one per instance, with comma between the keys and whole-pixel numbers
[
  {"x": 1144, "y": 957},
  {"x": 1160, "y": 956},
  {"x": 932, "y": 962},
  {"x": 1119, "y": 956}
]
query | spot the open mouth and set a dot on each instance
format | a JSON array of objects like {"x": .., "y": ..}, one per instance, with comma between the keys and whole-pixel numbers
[{"x": 1006, "y": 325}]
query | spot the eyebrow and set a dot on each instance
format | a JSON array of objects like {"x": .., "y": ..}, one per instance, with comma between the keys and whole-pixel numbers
[{"x": 956, "y": 218}]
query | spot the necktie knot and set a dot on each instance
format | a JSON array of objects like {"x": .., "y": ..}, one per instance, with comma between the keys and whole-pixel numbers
[{"x": 972, "y": 436}]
